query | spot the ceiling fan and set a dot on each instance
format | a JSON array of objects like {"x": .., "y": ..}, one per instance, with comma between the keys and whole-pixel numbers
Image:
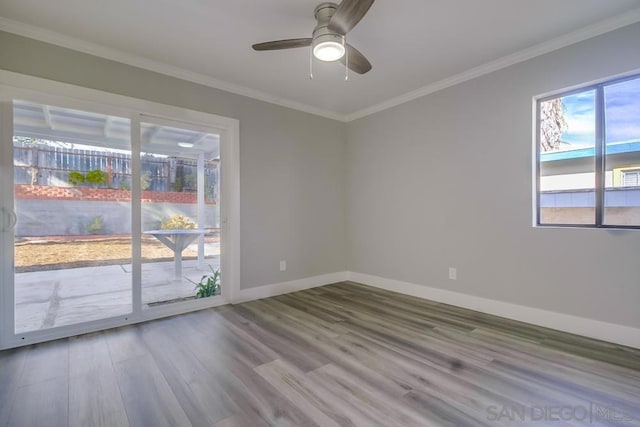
[{"x": 328, "y": 41}]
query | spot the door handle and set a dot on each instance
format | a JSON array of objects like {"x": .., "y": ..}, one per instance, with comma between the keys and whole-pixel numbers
[
  {"x": 2, "y": 219},
  {"x": 13, "y": 219}
]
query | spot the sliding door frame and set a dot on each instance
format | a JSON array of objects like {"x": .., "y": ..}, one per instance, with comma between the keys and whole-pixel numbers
[
  {"x": 6, "y": 232},
  {"x": 17, "y": 86}
]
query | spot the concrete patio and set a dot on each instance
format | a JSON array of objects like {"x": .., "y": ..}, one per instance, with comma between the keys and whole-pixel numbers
[{"x": 46, "y": 299}]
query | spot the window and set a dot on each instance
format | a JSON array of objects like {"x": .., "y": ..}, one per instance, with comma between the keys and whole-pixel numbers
[
  {"x": 588, "y": 156},
  {"x": 631, "y": 178}
]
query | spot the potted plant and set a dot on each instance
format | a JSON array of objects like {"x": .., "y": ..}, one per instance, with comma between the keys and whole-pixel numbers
[{"x": 178, "y": 222}]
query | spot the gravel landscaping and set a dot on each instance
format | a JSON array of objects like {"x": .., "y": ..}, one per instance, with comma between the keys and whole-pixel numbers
[{"x": 55, "y": 253}]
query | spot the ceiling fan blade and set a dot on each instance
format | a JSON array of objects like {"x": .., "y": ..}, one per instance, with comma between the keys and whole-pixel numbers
[
  {"x": 357, "y": 62},
  {"x": 282, "y": 44},
  {"x": 348, "y": 14}
]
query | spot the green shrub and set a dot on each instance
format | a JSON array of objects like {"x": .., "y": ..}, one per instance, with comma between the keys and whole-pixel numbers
[
  {"x": 76, "y": 178},
  {"x": 96, "y": 177},
  {"x": 145, "y": 181},
  {"x": 96, "y": 226}
]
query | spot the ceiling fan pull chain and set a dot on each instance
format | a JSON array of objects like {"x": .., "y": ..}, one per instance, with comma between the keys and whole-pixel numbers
[
  {"x": 311, "y": 63},
  {"x": 346, "y": 62}
]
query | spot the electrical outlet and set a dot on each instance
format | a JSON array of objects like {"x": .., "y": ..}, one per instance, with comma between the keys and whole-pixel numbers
[
  {"x": 453, "y": 273},
  {"x": 283, "y": 265}
]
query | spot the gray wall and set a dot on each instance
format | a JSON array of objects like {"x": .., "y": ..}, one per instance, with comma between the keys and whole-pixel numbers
[
  {"x": 445, "y": 180},
  {"x": 442, "y": 181},
  {"x": 292, "y": 163}
]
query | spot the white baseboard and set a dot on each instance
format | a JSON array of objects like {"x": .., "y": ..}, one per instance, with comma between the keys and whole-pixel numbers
[
  {"x": 287, "y": 287},
  {"x": 597, "y": 329}
]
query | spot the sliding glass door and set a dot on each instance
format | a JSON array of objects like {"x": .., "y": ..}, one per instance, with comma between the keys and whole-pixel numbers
[
  {"x": 72, "y": 237},
  {"x": 108, "y": 216},
  {"x": 180, "y": 172}
]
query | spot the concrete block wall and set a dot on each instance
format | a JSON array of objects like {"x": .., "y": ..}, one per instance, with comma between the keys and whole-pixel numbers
[{"x": 63, "y": 211}]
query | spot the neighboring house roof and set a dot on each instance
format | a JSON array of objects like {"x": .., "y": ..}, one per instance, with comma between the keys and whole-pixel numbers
[{"x": 615, "y": 148}]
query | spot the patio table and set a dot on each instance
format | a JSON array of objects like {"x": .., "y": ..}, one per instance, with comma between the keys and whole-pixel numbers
[{"x": 177, "y": 241}]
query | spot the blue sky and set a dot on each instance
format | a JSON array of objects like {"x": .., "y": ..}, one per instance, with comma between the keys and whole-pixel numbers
[
  {"x": 622, "y": 113},
  {"x": 580, "y": 114}
]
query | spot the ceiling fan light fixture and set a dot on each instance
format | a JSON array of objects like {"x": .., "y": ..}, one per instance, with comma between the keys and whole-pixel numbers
[
  {"x": 328, "y": 47},
  {"x": 328, "y": 41}
]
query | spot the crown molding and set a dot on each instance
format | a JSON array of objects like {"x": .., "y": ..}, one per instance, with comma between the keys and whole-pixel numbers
[
  {"x": 585, "y": 33},
  {"x": 58, "y": 39},
  {"x": 51, "y": 37}
]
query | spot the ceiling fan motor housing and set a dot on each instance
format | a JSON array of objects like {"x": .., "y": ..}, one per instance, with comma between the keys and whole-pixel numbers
[
  {"x": 323, "y": 13},
  {"x": 322, "y": 34}
]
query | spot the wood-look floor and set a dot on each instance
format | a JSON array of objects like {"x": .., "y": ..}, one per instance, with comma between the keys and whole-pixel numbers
[{"x": 339, "y": 355}]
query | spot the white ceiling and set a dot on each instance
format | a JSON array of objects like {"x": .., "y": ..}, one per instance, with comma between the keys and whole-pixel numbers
[{"x": 412, "y": 44}]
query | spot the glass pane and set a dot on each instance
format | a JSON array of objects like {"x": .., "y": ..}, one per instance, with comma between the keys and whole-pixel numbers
[
  {"x": 622, "y": 153},
  {"x": 180, "y": 214},
  {"x": 567, "y": 159},
  {"x": 73, "y": 235}
]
